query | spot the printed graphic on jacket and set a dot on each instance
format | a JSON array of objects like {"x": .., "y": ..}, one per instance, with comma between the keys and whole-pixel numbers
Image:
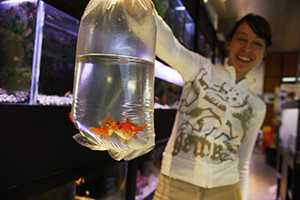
[{"x": 214, "y": 119}]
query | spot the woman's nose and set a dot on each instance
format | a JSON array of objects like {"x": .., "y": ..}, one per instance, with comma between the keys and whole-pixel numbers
[{"x": 247, "y": 47}]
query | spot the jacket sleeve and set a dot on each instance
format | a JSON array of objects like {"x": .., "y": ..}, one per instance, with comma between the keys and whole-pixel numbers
[
  {"x": 246, "y": 149},
  {"x": 168, "y": 49}
]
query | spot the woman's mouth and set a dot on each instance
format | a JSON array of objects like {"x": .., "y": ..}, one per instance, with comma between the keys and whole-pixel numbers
[{"x": 244, "y": 59}]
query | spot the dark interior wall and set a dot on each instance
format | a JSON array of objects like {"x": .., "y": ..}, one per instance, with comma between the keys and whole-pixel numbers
[{"x": 277, "y": 66}]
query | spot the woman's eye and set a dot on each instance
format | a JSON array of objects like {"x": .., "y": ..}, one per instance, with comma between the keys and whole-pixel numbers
[
  {"x": 258, "y": 44},
  {"x": 242, "y": 39}
]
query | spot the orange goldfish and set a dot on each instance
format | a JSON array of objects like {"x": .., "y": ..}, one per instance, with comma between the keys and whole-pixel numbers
[
  {"x": 107, "y": 127},
  {"x": 125, "y": 130},
  {"x": 70, "y": 117},
  {"x": 128, "y": 129}
]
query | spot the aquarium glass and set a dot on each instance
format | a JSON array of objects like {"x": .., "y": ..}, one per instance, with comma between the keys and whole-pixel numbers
[
  {"x": 57, "y": 57},
  {"x": 17, "y": 33}
]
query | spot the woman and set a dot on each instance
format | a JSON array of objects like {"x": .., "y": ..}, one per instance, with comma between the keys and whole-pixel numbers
[{"x": 208, "y": 154}]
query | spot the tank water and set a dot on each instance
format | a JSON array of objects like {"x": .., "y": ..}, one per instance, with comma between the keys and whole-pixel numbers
[{"x": 114, "y": 88}]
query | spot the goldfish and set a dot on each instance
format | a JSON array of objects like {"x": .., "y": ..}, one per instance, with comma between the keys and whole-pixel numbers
[
  {"x": 125, "y": 130},
  {"x": 128, "y": 129},
  {"x": 106, "y": 128},
  {"x": 70, "y": 117}
]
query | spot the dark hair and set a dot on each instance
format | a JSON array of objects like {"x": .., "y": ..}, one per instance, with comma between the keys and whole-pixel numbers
[{"x": 258, "y": 24}]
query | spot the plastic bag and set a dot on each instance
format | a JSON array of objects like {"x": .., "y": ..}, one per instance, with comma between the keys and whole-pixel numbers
[{"x": 114, "y": 78}]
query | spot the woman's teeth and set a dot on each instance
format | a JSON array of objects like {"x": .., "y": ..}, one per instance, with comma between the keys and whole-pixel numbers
[{"x": 244, "y": 59}]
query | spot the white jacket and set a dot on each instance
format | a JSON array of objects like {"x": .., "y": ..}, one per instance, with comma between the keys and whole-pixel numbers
[{"x": 217, "y": 121}]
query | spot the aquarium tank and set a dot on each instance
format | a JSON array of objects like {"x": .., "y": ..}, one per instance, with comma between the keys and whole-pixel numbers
[
  {"x": 37, "y": 47},
  {"x": 17, "y": 32},
  {"x": 180, "y": 22}
]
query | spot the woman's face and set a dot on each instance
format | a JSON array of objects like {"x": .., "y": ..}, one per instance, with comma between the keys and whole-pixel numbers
[{"x": 246, "y": 50}]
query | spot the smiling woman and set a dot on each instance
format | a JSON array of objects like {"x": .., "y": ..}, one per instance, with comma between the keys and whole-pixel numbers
[
  {"x": 218, "y": 118},
  {"x": 247, "y": 44},
  {"x": 282, "y": 15}
]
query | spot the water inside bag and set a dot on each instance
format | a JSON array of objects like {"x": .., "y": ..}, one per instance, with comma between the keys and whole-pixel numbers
[{"x": 113, "y": 100}]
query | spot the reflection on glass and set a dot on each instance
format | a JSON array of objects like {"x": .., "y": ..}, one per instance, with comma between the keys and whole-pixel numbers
[
  {"x": 104, "y": 186},
  {"x": 58, "y": 53},
  {"x": 181, "y": 23},
  {"x": 148, "y": 173},
  {"x": 100, "y": 185}
]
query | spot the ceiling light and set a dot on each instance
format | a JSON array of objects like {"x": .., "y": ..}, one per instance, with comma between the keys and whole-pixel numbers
[
  {"x": 180, "y": 8},
  {"x": 289, "y": 79}
]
